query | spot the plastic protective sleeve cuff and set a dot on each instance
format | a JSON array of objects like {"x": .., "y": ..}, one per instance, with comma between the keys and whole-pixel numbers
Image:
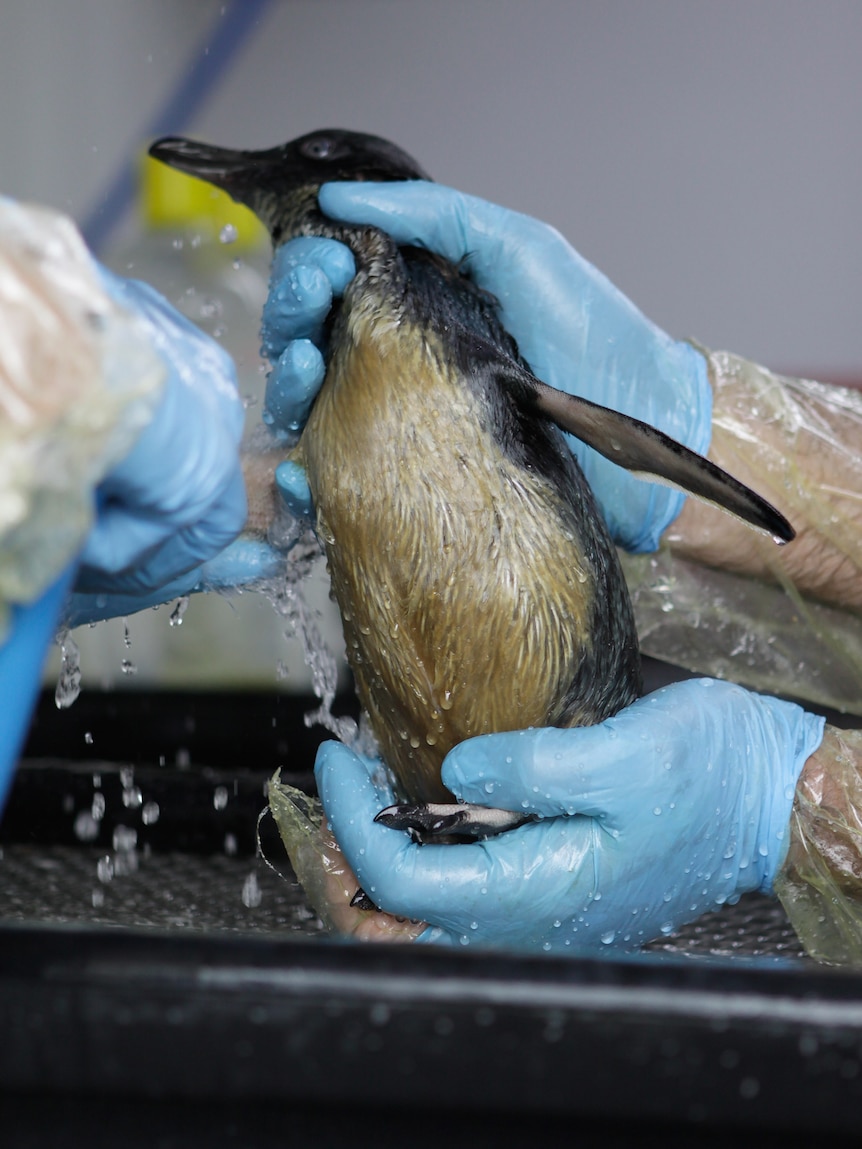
[{"x": 820, "y": 882}]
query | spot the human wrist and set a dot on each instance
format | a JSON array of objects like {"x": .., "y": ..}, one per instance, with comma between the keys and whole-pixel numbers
[
  {"x": 820, "y": 880},
  {"x": 795, "y": 442}
]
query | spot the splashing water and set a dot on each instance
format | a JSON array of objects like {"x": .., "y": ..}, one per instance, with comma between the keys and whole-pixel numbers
[
  {"x": 251, "y": 892},
  {"x": 290, "y": 602},
  {"x": 69, "y": 678},
  {"x": 176, "y": 618}
]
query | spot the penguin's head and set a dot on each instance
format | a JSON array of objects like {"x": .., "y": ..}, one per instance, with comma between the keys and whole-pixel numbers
[{"x": 267, "y": 181}]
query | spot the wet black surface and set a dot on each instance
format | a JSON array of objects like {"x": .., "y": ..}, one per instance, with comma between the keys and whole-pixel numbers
[{"x": 160, "y": 985}]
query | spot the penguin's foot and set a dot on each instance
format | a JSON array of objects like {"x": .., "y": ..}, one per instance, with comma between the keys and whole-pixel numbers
[{"x": 436, "y": 820}]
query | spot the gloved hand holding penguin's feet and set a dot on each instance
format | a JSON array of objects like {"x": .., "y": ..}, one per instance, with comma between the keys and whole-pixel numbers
[{"x": 678, "y": 804}]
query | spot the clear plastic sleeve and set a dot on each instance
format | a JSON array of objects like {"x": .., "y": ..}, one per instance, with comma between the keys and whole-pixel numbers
[
  {"x": 786, "y": 621},
  {"x": 795, "y": 627},
  {"x": 820, "y": 882},
  {"x": 322, "y": 870},
  {"x": 78, "y": 381}
]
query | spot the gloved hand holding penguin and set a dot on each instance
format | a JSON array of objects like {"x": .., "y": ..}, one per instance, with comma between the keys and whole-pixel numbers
[{"x": 637, "y": 814}]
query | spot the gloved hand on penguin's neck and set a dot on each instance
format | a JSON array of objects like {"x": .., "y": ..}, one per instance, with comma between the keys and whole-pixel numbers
[{"x": 574, "y": 328}]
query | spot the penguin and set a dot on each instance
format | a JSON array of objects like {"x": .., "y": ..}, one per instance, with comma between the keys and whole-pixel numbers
[{"x": 477, "y": 583}]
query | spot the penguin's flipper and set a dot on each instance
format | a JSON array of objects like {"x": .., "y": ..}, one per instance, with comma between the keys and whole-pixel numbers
[{"x": 643, "y": 450}]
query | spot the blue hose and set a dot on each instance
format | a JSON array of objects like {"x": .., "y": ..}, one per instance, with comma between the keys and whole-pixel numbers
[{"x": 208, "y": 66}]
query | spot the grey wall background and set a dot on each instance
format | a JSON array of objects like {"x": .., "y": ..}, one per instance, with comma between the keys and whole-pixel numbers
[{"x": 705, "y": 155}]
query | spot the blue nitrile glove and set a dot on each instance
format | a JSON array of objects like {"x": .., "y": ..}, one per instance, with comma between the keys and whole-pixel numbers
[
  {"x": 575, "y": 329},
  {"x": 178, "y": 497},
  {"x": 244, "y": 562},
  {"x": 307, "y": 274},
  {"x": 678, "y": 804}
]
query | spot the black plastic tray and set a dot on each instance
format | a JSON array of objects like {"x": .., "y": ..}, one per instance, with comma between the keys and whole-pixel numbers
[{"x": 130, "y": 1036}]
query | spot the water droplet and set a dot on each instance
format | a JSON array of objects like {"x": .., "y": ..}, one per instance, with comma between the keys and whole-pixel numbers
[
  {"x": 657, "y": 809},
  {"x": 128, "y": 667},
  {"x": 150, "y": 813},
  {"x": 88, "y": 738},
  {"x": 69, "y": 678},
  {"x": 124, "y": 839},
  {"x": 749, "y": 1087},
  {"x": 176, "y": 618},
  {"x": 105, "y": 869},
  {"x": 230, "y": 845},
  {"x": 251, "y": 895},
  {"x": 132, "y": 798},
  {"x": 228, "y": 234},
  {"x": 97, "y": 810},
  {"x": 608, "y": 937},
  {"x": 220, "y": 797},
  {"x": 86, "y": 828}
]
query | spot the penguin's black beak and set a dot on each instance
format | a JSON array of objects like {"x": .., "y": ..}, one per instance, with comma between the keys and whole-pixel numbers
[
  {"x": 231, "y": 170},
  {"x": 309, "y": 161}
]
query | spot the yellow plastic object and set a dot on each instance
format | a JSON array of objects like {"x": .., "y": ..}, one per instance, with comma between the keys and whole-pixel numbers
[
  {"x": 171, "y": 199},
  {"x": 820, "y": 883}
]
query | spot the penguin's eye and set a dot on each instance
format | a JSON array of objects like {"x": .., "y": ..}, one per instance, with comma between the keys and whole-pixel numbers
[{"x": 320, "y": 148}]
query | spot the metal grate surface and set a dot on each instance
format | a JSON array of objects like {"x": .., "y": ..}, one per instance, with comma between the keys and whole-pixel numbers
[{"x": 177, "y": 891}]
